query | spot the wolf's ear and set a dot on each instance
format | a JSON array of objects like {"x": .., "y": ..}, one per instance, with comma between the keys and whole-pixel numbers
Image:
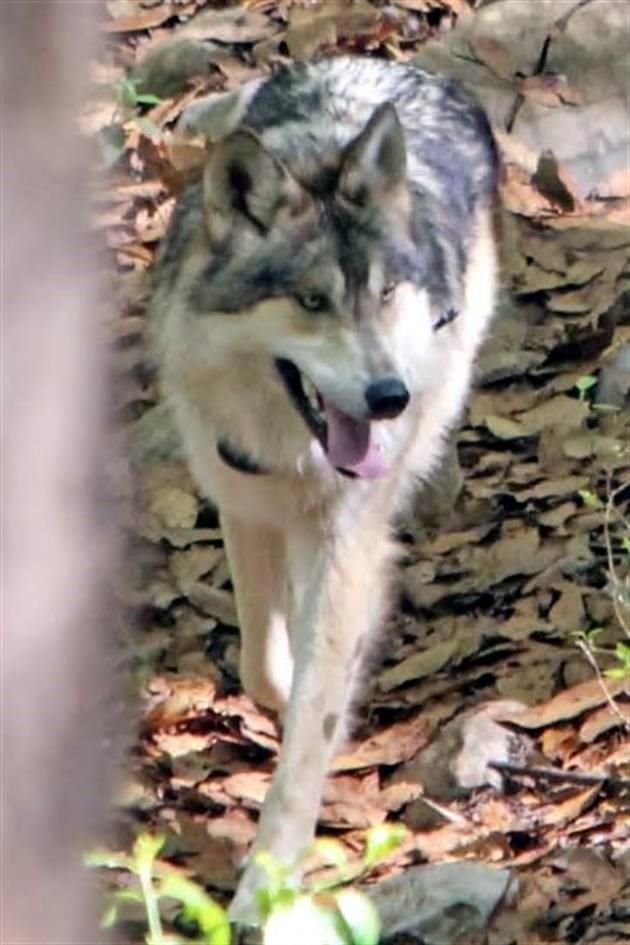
[
  {"x": 375, "y": 162},
  {"x": 243, "y": 179}
]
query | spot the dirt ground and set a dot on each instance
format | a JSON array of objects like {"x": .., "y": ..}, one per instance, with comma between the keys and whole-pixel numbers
[{"x": 494, "y": 723}]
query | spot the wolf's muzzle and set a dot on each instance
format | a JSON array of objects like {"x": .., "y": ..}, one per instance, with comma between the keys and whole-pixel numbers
[{"x": 386, "y": 398}]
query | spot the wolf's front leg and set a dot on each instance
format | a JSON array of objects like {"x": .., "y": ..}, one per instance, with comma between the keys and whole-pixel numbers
[
  {"x": 338, "y": 590},
  {"x": 257, "y": 559}
]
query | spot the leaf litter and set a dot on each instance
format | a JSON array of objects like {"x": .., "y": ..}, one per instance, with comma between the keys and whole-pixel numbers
[{"x": 483, "y": 687}]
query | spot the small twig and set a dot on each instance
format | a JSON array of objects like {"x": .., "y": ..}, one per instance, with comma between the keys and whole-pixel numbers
[
  {"x": 540, "y": 773},
  {"x": 614, "y": 708},
  {"x": 556, "y": 28},
  {"x": 562, "y": 22},
  {"x": 452, "y": 816}
]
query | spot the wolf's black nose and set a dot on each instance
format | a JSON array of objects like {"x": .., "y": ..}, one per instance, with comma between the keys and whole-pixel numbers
[{"x": 386, "y": 398}]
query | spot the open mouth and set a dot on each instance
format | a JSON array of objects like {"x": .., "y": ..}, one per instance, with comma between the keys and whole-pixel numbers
[{"x": 348, "y": 443}]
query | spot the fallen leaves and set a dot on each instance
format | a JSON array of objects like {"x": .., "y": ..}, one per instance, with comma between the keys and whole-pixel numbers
[
  {"x": 495, "y": 587},
  {"x": 570, "y": 703},
  {"x": 140, "y": 19}
]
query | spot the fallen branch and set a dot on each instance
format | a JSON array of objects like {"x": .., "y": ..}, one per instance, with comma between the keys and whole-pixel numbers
[{"x": 540, "y": 773}]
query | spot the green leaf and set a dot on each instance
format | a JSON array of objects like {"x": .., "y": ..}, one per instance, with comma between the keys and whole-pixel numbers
[
  {"x": 127, "y": 94},
  {"x": 146, "y": 848},
  {"x": 128, "y": 895},
  {"x": 280, "y": 887},
  {"x": 381, "y": 841},
  {"x": 591, "y": 635},
  {"x": 360, "y": 915},
  {"x": 108, "y": 919},
  {"x": 209, "y": 916},
  {"x": 606, "y": 408},
  {"x": 622, "y": 652},
  {"x": 331, "y": 851},
  {"x": 617, "y": 672},
  {"x": 589, "y": 499},
  {"x": 145, "y": 98},
  {"x": 585, "y": 383}
]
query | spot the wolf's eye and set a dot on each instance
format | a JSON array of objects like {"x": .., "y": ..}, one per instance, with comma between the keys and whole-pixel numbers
[
  {"x": 388, "y": 292},
  {"x": 313, "y": 301}
]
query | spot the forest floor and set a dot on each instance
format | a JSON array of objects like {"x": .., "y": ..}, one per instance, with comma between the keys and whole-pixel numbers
[{"x": 495, "y": 726}]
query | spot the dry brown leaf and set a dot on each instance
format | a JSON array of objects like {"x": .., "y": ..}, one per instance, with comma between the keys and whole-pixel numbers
[
  {"x": 250, "y": 786},
  {"x": 182, "y": 744},
  {"x": 183, "y": 537},
  {"x": 418, "y": 6},
  {"x": 352, "y": 802},
  {"x": 563, "y": 812},
  {"x": 567, "y": 614},
  {"x": 597, "y": 876},
  {"x": 173, "y": 700},
  {"x": 504, "y": 428},
  {"x": 550, "y": 90},
  {"x": 396, "y": 743},
  {"x": 118, "y": 8},
  {"x": 524, "y": 621},
  {"x": 190, "y": 565},
  {"x": 516, "y": 553},
  {"x": 557, "y": 516},
  {"x": 231, "y": 25},
  {"x": 558, "y": 742},
  {"x": 450, "y": 541},
  {"x": 561, "y": 412},
  {"x": 213, "y": 858},
  {"x": 190, "y": 769},
  {"x": 214, "y": 602},
  {"x": 601, "y": 721},
  {"x": 494, "y": 54},
  {"x": 584, "y": 445},
  {"x": 566, "y": 485},
  {"x": 142, "y": 20},
  {"x": 254, "y": 724},
  {"x": 418, "y": 665},
  {"x": 519, "y": 196},
  {"x": 173, "y": 508},
  {"x": 306, "y": 38},
  {"x": 527, "y": 684},
  {"x": 570, "y": 703}
]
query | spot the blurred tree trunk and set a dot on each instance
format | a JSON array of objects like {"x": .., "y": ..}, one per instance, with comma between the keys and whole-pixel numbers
[{"x": 57, "y": 541}]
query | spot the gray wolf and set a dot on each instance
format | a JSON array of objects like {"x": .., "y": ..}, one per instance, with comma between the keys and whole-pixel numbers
[{"x": 319, "y": 300}]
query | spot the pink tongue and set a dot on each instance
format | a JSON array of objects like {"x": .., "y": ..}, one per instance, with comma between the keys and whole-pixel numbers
[{"x": 350, "y": 445}]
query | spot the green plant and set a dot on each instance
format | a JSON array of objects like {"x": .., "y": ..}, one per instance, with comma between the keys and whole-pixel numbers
[
  {"x": 587, "y": 640},
  {"x": 328, "y": 911},
  {"x": 157, "y": 880},
  {"x": 619, "y": 590},
  {"x": 129, "y": 102},
  {"x": 584, "y": 384},
  {"x": 333, "y": 912}
]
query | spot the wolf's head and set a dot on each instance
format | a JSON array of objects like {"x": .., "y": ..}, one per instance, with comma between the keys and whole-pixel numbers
[{"x": 332, "y": 269}]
